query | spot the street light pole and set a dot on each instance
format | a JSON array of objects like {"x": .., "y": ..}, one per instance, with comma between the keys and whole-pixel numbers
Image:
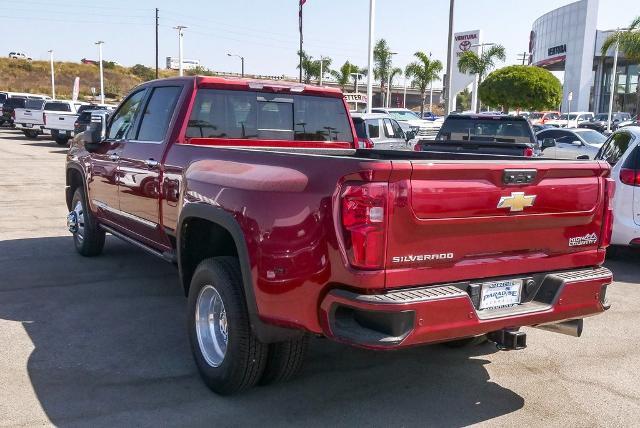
[
  {"x": 372, "y": 12},
  {"x": 614, "y": 75},
  {"x": 449, "y": 58},
  {"x": 241, "y": 62},
  {"x": 53, "y": 78},
  {"x": 100, "y": 43},
  {"x": 180, "y": 58},
  {"x": 322, "y": 59},
  {"x": 430, "y": 92},
  {"x": 388, "y": 100},
  {"x": 404, "y": 94}
]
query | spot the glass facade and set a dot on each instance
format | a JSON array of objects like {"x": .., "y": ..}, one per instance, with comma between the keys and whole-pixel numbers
[{"x": 625, "y": 96}]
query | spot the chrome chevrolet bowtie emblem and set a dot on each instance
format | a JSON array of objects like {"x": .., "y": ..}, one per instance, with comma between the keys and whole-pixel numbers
[{"x": 518, "y": 201}]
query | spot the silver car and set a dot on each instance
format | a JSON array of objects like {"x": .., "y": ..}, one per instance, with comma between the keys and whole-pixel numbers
[
  {"x": 380, "y": 131},
  {"x": 570, "y": 143}
]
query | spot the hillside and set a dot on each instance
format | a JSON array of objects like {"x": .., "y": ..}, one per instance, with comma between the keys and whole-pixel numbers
[{"x": 35, "y": 77}]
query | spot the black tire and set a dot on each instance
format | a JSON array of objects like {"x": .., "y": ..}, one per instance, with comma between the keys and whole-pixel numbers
[
  {"x": 30, "y": 134},
  {"x": 466, "y": 342},
  {"x": 63, "y": 141},
  {"x": 285, "y": 360},
  {"x": 244, "y": 360},
  {"x": 90, "y": 241}
]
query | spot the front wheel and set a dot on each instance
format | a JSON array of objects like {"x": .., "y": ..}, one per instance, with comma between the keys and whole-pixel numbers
[
  {"x": 87, "y": 235},
  {"x": 229, "y": 356}
]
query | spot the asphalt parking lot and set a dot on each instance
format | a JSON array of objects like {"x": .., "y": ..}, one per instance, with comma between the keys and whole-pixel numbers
[{"x": 102, "y": 342}]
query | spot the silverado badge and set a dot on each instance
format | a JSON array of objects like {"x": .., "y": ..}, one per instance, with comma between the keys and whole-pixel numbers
[{"x": 518, "y": 201}]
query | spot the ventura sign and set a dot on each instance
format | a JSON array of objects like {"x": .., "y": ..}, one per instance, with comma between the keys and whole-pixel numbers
[{"x": 463, "y": 41}]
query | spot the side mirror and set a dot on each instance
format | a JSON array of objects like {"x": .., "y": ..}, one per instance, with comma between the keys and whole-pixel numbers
[
  {"x": 577, "y": 143},
  {"x": 409, "y": 135},
  {"x": 96, "y": 132},
  {"x": 548, "y": 142}
]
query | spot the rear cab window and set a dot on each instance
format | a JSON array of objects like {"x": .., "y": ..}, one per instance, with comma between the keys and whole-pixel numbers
[
  {"x": 499, "y": 129},
  {"x": 34, "y": 104},
  {"x": 57, "y": 106},
  {"x": 254, "y": 115}
]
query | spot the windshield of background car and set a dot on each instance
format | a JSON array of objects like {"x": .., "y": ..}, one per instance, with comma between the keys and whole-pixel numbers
[
  {"x": 257, "y": 115},
  {"x": 601, "y": 116},
  {"x": 571, "y": 116},
  {"x": 403, "y": 115},
  {"x": 593, "y": 137},
  {"x": 479, "y": 129},
  {"x": 14, "y": 102},
  {"x": 85, "y": 107},
  {"x": 536, "y": 115},
  {"x": 54, "y": 106},
  {"x": 3, "y": 98},
  {"x": 34, "y": 104},
  {"x": 552, "y": 116}
]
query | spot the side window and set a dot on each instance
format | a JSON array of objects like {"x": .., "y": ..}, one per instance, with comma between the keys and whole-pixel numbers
[
  {"x": 374, "y": 128},
  {"x": 613, "y": 149},
  {"x": 157, "y": 113},
  {"x": 388, "y": 129},
  {"x": 124, "y": 118},
  {"x": 397, "y": 129}
]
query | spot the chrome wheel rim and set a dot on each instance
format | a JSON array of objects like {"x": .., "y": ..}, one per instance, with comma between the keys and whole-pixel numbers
[
  {"x": 211, "y": 326},
  {"x": 79, "y": 217}
]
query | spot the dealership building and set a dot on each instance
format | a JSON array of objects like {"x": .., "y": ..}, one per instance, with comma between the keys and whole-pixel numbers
[{"x": 567, "y": 39}]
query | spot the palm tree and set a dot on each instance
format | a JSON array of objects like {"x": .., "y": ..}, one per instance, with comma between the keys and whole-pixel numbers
[
  {"x": 472, "y": 63},
  {"x": 308, "y": 67},
  {"x": 382, "y": 64},
  {"x": 343, "y": 76},
  {"x": 629, "y": 43},
  {"x": 424, "y": 71}
]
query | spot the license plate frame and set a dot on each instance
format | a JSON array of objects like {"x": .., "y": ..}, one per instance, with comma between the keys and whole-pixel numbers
[
  {"x": 28, "y": 125},
  {"x": 502, "y": 294}
]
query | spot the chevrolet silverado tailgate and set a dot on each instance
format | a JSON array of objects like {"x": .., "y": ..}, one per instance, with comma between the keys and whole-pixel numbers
[{"x": 458, "y": 220}]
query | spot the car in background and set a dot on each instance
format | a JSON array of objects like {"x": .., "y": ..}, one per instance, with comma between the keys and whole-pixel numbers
[
  {"x": 495, "y": 134},
  {"x": 4, "y": 96},
  {"x": 571, "y": 120},
  {"x": 61, "y": 122},
  {"x": 84, "y": 116},
  {"x": 634, "y": 121},
  {"x": 599, "y": 122},
  {"x": 428, "y": 115},
  {"x": 570, "y": 143},
  {"x": 538, "y": 128},
  {"x": 541, "y": 117},
  {"x": 426, "y": 129},
  {"x": 622, "y": 152},
  {"x": 29, "y": 119},
  {"x": 19, "y": 55},
  {"x": 380, "y": 131},
  {"x": 8, "y": 107}
]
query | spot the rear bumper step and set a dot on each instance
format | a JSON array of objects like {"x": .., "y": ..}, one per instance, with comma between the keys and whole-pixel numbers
[{"x": 433, "y": 314}]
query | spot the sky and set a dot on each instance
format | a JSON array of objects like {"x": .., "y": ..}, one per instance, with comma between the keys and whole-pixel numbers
[{"x": 266, "y": 32}]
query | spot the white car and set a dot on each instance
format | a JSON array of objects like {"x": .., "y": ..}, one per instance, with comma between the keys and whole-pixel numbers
[
  {"x": 19, "y": 55},
  {"x": 570, "y": 143},
  {"x": 622, "y": 151},
  {"x": 423, "y": 129},
  {"x": 61, "y": 123},
  {"x": 571, "y": 120}
]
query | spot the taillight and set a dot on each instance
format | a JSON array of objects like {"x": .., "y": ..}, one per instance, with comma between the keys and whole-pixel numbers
[
  {"x": 364, "y": 221},
  {"x": 528, "y": 152},
  {"x": 44, "y": 118},
  {"x": 417, "y": 147},
  {"x": 607, "y": 220},
  {"x": 365, "y": 143},
  {"x": 630, "y": 176}
]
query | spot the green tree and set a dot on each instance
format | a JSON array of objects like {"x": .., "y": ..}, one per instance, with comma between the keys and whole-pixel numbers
[
  {"x": 472, "y": 63},
  {"x": 629, "y": 43},
  {"x": 423, "y": 72},
  {"x": 143, "y": 72},
  {"x": 463, "y": 100},
  {"x": 382, "y": 65},
  {"x": 522, "y": 87},
  {"x": 343, "y": 75},
  {"x": 311, "y": 67}
]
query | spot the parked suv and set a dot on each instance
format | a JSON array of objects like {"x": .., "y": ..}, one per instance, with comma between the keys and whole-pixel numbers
[
  {"x": 380, "y": 131},
  {"x": 8, "y": 107},
  {"x": 599, "y": 122}
]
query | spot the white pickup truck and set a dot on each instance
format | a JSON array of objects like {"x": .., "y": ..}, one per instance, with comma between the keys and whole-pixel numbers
[
  {"x": 60, "y": 122},
  {"x": 30, "y": 119}
]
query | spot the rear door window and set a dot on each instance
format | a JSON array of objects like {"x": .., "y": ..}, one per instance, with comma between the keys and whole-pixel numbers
[
  {"x": 615, "y": 148},
  {"x": 158, "y": 112}
]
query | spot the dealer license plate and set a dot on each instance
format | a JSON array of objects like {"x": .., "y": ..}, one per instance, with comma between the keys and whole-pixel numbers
[{"x": 499, "y": 294}]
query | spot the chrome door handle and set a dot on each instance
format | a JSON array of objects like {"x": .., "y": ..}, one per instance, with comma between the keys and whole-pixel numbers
[
  {"x": 151, "y": 163},
  {"x": 113, "y": 157}
]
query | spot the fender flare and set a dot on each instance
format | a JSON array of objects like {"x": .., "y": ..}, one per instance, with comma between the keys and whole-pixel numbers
[
  {"x": 266, "y": 333},
  {"x": 68, "y": 193}
]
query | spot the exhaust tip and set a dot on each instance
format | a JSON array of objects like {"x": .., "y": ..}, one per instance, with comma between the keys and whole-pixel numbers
[{"x": 570, "y": 328}]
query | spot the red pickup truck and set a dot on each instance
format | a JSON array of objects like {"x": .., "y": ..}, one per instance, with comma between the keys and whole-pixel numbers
[{"x": 281, "y": 227}]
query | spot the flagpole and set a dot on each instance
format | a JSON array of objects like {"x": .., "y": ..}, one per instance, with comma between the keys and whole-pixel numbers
[
  {"x": 300, "y": 24},
  {"x": 372, "y": 13}
]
